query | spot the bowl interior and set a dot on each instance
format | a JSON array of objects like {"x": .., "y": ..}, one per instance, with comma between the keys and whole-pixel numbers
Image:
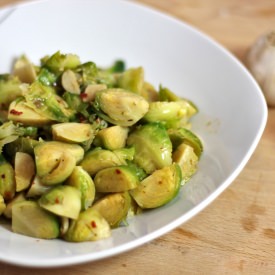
[{"x": 232, "y": 109}]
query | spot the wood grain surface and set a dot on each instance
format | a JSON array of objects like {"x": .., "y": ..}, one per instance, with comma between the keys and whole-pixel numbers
[{"x": 236, "y": 233}]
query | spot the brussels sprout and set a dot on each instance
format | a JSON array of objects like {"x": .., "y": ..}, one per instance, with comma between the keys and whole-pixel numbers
[
  {"x": 24, "y": 169},
  {"x": 159, "y": 188},
  {"x": 63, "y": 200},
  {"x": 19, "y": 111},
  {"x": 152, "y": 146},
  {"x": 22, "y": 144},
  {"x": 167, "y": 95},
  {"x": 88, "y": 73},
  {"x": 72, "y": 132},
  {"x": 132, "y": 80},
  {"x": 162, "y": 111},
  {"x": 120, "y": 107},
  {"x": 185, "y": 156},
  {"x": 55, "y": 160},
  {"x": 37, "y": 188},
  {"x": 24, "y": 70},
  {"x": 117, "y": 67},
  {"x": 183, "y": 135},
  {"x": 43, "y": 100},
  {"x": 19, "y": 197},
  {"x": 114, "y": 207},
  {"x": 116, "y": 179},
  {"x": 125, "y": 154},
  {"x": 76, "y": 103},
  {"x": 90, "y": 226},
  {"x": 57, "y": 63},
  {"x": 48, "y": 155},
  {"x": 62, "y": 171},
  {"x": 112, "y": 138},
  {"x": 9, "y": 133},
  {"x": 7, "y": 179},
  {"x": 149, "y": 92},
  {"x": 69, "y": 82},
  {"x": 9, "y": 90},
  {"x": 84, "y": 183},
  {"x": 29, "y": 219},
  {"x": 2, "y": 205},
  {"x": 46, "y": 77},
  {"x": 98, "y": 159}
]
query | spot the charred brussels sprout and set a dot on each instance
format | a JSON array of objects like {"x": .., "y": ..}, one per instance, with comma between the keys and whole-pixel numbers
[
  {"x": 159, "y": 188},
  {"x": 152, "y": 146},
  {"x": 120, "y": 107}
]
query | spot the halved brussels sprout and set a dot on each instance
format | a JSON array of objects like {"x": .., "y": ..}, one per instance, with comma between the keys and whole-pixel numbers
[
  {"x": 29, "y": 219},
  {"x": 9, "y": 90},
  {"x": 120, "y": 107},
  {"x": 114, "y": 207},
  {"x": 48, "y": 155},
  {"x": 183, "y": 135},
  {"x": 24, "y": 70},
  {"x": 149, "y": 92},
  {"x": 62, "y": 171},
  {"x": 185, "y": 156},
  {"x": 72, "y": 132},
  {"x": 85, "y": 184},
  {"x": 19, "y": 111},
  {"x": 116, "y": 179},
  {"x": 37, "y": 188},
  {"x": 112, "y": 138},
  {"x": 98, "y": 159},
  {"x": 163, "y": 111},
  {"x": 159, "y": 188},
  {"x": 90, "y": 226},
  {"x": 125, "y": 154},
  {"x": 63, "y": 200},
  {"x": 152, "y": 146},
  {"x": 2, "y": 205},
  {"x": 24, "y": 168},
  {"x": 19, "y": 197},
  {"x": 7, "y": 179},
  {"x": 44, "y": 101},
  {"x": 57, "y": 63},
  {"x": 21, "y": 144},
  {"x": 132, "y": 80}
]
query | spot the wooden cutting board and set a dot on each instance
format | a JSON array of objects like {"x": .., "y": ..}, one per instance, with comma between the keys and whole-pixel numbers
[{"x": 236, "y": 233}]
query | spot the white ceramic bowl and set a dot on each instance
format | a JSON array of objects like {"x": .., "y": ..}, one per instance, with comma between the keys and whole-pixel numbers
[{"x": 232, "y": 114}]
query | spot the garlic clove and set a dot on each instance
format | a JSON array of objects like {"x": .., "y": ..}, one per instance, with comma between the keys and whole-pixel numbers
[{"x": 260, "y": 60}]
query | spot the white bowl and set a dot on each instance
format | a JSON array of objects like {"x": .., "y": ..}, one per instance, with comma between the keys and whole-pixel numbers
[{"x": 231, "y": 121}]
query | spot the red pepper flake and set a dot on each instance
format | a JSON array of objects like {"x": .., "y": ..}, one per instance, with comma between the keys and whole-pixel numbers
[
  {"x": 57, "y": 201},
  {"x": 93, "y": 224},
  {"x": 118, "y": 171},
  {"x": 83, "y": 95},
  {"x": 3, "y": 176},
  {"x": 16, "y": 113}
]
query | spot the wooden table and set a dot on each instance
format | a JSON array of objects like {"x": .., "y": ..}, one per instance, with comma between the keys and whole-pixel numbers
[{"x": 236, "y": 233}]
